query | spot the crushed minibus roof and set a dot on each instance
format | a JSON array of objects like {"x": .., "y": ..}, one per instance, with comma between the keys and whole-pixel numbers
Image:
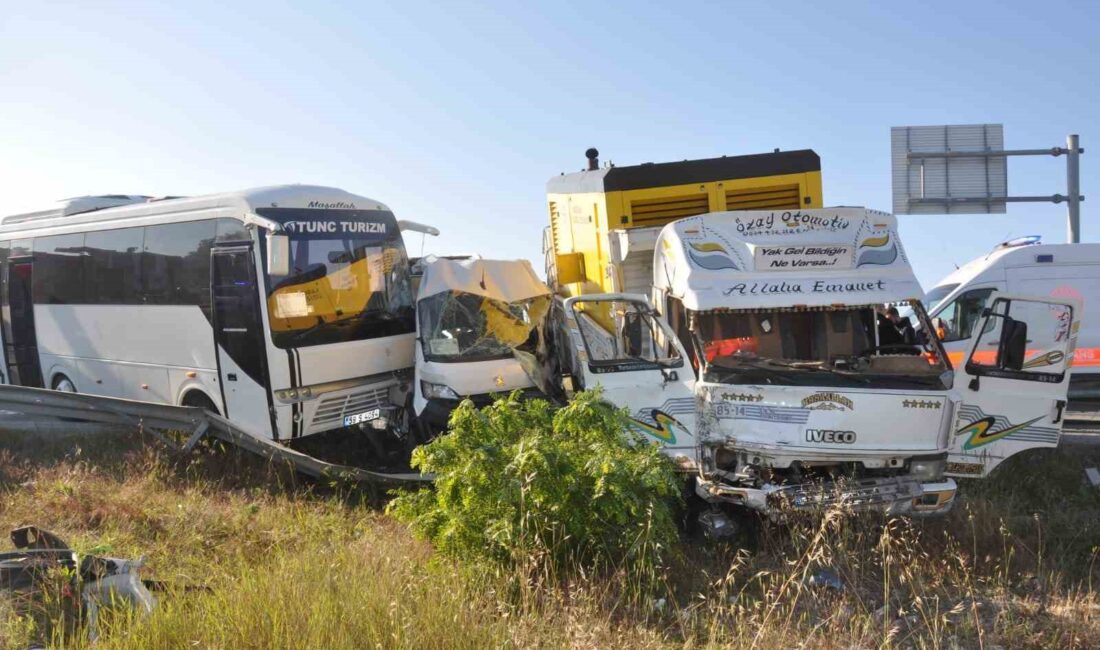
[{"x": 504, "y": 280}]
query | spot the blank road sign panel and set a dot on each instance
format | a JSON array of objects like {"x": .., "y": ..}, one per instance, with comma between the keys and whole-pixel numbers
[{"x": 956, "y": 185}]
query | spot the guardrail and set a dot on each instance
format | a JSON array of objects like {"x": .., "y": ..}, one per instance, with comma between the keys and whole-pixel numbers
[{"x": 93, "y": 412}]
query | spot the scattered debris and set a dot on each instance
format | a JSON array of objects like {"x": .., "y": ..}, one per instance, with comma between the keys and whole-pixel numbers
[
  {"x": 827, "y": 579},
  {"x": 1093, "y": 475},
  {"x": 99, "y": 581},
  {"x": 717, "y": 525}
]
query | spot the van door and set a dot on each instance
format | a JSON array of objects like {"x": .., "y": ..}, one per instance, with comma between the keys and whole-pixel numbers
[
  {"x": 240, "y": 341},
  {"x": 20, "y": 340},
  {"x": 618, "y": 344},
  {"x": 1014, "y": 382}
]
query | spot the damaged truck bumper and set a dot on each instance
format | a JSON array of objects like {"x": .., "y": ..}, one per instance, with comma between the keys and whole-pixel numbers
[{"x": 892, "y": 495}]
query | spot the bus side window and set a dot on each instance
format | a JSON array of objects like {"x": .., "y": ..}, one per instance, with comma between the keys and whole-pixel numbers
[
  {"x": 231, "y": 230},
  {"x": 962, "y": 314},
  {"x": 57, "y": 261},
  {"x": 113, "y": 266},
  {"x": 176, "y": 263}
]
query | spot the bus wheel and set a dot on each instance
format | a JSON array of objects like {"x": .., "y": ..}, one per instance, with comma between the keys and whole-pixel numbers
[
  {"x": 196, "y": 398},
  {"x": 64, "y": 384}
]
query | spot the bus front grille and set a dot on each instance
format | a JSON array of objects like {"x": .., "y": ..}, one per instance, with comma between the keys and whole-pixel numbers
[{"x": 332, "y": 410}]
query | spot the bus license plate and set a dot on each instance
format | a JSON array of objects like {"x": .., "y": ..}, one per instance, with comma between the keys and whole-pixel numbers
[{"x": 365, "y": 416}]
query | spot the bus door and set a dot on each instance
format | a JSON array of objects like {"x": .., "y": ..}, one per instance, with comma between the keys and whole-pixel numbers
[
  {"x": 239, "y": 335},
  {"x": 17, "y": 314},
  {"x": 1013, "y": 383}
]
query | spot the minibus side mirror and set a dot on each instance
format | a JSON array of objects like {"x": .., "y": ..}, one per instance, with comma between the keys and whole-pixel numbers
[
  {"x": 1013, "y": 344},
  {"x": 278, "y": 254}
]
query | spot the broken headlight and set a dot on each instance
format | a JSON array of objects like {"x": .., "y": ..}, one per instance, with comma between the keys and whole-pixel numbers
[
  {"x": 437, "y": 391},
  {"x": 927, "y": 469}
]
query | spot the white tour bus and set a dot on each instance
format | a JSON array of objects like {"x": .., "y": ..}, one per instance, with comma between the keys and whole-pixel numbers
[{"x": 287, "y": 309}]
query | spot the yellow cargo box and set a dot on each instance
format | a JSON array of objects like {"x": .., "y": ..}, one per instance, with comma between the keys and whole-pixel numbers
[{"x": 589, "y": 209}]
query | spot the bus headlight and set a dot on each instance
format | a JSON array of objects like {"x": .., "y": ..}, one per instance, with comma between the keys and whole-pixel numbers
[
  {"x": 437, "y": 391},
  {"x": 927, "y": 469}
]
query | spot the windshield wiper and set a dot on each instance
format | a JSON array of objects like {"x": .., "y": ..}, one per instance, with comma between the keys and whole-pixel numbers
[
  {"x": 750, "y": 365},
  {"x": 819, "y": 368}
]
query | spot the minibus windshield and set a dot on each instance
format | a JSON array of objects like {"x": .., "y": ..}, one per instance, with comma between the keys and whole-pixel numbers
[
  {"x": 349, "y": 278},
  {"x": 459, "y": 326}
]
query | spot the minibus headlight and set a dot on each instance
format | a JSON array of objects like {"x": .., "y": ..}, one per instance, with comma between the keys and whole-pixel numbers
[
  {"x": 437, "y": 391},
  {"x": 927, "y": 469}
]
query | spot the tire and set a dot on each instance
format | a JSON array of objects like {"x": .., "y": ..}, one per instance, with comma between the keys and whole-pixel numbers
[
  {"x": 64, "y": 384},
  {"x": 200, "y": 400}
]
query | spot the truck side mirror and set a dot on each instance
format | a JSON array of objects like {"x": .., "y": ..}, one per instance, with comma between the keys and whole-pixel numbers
[
  {"x": 278, "y": 254},
  {"x": 632, "y": 335},
  {"x": 1013, "y": 344}
]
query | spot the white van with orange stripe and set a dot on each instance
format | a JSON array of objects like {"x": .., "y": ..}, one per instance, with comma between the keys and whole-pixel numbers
[{"x": 1024, "y": 266}]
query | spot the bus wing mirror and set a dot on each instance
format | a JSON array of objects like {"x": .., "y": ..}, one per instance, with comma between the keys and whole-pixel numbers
[
  {"x": 412, "y": 226},
  {"x": 278, "y": 254}
]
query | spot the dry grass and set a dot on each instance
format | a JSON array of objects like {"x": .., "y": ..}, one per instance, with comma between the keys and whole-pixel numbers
[{"x": 286, "y": 565}]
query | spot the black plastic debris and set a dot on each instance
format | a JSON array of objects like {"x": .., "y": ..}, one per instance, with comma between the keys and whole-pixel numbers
[{"x": 95, "y": 581}]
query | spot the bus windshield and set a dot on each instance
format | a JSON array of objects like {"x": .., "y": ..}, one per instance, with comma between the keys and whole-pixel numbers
[
  {"x": 349, "y": 278},
  {"x": 459, "y": 326}
]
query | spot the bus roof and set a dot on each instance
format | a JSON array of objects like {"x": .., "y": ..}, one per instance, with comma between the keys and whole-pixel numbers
[
  {"x": 120, "y": 207},
  {"x": 784, "y": 258}
]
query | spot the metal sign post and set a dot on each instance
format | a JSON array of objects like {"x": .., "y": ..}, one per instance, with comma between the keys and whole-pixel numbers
[
  {"x": 1073, "y": 187},
  {"x": 962, "y": 170}
]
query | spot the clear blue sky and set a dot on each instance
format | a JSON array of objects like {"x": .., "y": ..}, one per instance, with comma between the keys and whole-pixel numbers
[{"x": 458, "y": 116}]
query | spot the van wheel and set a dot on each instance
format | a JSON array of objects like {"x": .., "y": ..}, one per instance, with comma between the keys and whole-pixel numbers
[
  {"x": 64, "y": 384},
  {"x": 200, "y": 400}
]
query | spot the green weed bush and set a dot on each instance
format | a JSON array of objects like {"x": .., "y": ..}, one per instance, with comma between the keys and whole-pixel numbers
[{"x": 519, "y": 483}]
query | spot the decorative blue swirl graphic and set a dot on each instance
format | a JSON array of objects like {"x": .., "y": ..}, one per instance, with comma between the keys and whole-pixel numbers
[
  {"x": 711, "y": 256},
  {"x": 877, "y": 251}
]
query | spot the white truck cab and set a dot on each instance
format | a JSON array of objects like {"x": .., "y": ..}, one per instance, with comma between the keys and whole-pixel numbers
[
  {"x": 471, "y": 314},
  {"x": 769, "y": 350},
  {"x": 1028, "y": 267}
]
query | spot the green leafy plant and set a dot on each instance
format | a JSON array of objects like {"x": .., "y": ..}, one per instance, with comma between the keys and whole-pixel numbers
[{"x": 520, "y": 484}]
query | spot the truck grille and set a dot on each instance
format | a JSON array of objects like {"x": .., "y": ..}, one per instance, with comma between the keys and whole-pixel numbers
[{"x": 332, "y": 410}]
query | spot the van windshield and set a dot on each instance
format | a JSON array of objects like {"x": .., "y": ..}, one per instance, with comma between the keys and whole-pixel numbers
[
  {"x": 459, "y": 326},
  {"x": 349, "y": 278},
  {"x": 935, "y": 296},
  {"x": 846, "y": 346}
]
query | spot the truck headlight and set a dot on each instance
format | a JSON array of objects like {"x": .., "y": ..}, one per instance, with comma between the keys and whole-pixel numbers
[
  {"x": 437, "y": 391},
  {"x": 927, "y": 469}
]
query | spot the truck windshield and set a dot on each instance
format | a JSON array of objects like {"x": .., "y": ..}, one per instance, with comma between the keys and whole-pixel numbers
[
  {"x": 459, "y": 326},
  {"x": 349, "y": 278},
  {"x": 847, "y": 346},
  {"x": 623, "y": 335}
]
